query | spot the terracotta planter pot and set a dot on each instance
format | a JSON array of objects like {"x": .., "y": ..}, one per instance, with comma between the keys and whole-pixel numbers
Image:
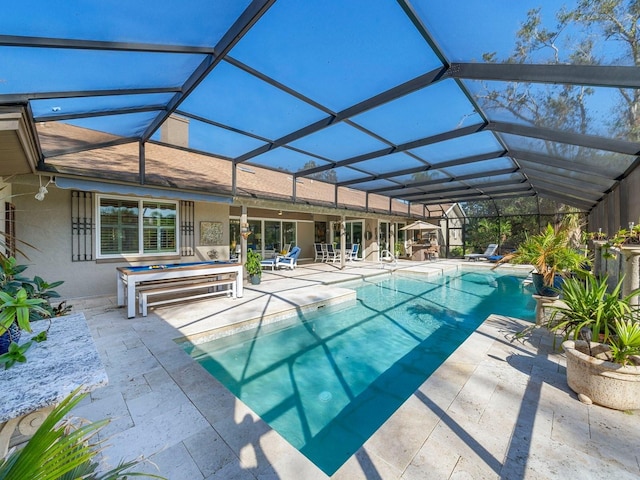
[{"x": 605, "y": 383}]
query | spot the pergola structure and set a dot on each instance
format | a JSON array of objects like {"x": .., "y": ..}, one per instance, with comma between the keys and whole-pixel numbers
[{"x": 420, "y": 103}]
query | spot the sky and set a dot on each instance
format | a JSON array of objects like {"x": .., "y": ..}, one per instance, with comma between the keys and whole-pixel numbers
[{"x": 335, "y": 54}]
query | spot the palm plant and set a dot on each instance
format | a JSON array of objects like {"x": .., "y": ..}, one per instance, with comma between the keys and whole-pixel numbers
[
  {"x": 62, "y": 450},
  {"x": 550, "y": 252}
]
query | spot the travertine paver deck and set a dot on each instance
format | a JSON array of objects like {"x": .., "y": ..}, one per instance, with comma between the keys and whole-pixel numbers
[{"x": 494, "y": 409}]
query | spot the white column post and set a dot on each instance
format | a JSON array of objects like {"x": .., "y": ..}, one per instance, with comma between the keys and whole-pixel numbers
[{"x": 343, "y": 240}]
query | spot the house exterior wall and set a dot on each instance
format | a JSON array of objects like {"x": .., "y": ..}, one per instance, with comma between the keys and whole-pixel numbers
[
  {"x": 371, "y": 248},
  {"x": 46, "y": 226},
  {"x": 305, "y": 239},
  {"x": 210, "y": 212}
]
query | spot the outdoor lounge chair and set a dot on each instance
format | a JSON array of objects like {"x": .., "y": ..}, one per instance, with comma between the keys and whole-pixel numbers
[
  {"x": 269, "y": 263},
  {"x": 325, "y": 252},
  {"x": 290, "y": 260},
  {"x": 489, "y": 252},
  {"x": 353, "y": 253}
]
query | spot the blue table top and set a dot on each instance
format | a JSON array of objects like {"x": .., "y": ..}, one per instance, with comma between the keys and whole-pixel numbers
[{"x": 144, "y": 268}]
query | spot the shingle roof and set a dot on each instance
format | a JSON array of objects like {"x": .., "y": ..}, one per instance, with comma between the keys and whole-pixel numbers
[{"x": 425, "y": 103}]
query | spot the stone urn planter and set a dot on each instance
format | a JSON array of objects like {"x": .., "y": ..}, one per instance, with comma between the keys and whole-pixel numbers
[{"x": 600, "y": 381}]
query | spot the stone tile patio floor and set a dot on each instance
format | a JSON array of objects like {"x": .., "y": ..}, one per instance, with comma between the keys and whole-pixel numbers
[{"x": 494, "y": 409}]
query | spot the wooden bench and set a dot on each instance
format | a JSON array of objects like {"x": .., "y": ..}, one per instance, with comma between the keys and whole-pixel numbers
[{"x": 180, "y": 291}]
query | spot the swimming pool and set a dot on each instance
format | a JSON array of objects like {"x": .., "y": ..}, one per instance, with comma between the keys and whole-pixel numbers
[{"x": 327, "y": 381}]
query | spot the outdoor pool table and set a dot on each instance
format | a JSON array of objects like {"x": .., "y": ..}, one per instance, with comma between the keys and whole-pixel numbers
[{"x": 128, "y": 277}]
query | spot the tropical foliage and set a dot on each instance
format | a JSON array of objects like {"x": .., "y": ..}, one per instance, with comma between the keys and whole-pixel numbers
[
  {"x": 22, "y": 301},
  {"x": 587, "y": 304},
  {"x": 626, "y": 342},
  {"x": 253, "y": 263},
  {"x": 64, "y": 449},
  {"x": 550, "y": 252}
]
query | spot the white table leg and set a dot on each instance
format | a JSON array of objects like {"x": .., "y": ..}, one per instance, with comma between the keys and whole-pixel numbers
[
  {"x": 131, "y": 299},
  {"x": 120, "y": 289},
  {"x": 239, "y": 282}
]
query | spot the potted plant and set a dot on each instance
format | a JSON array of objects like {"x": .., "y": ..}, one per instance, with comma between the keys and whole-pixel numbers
[
  {"x": 254, "y": 269},
  {"x": 607, "y": 373},
  {"x": 587, "y": 305},
  {"x": 22, "y": 301},
  {"x": 399, "y": 249},
  {"x": 622, "y": 238},
  {"x": 551, "y": 254},
  {"x": 601, "y": 340}
]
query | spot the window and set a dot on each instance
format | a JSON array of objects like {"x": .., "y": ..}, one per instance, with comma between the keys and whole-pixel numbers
[
  {"x": 267, "y": 237},
  {"x": 136, "y": 227}
]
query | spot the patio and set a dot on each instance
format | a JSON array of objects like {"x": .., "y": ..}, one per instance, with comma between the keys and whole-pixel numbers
[
  {"x": 247, "y": 117},
  {"x": 494, "y": 409}
]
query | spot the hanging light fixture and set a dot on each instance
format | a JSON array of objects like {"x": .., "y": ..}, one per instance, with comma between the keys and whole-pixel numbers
[{"x": 42, "y": 191}]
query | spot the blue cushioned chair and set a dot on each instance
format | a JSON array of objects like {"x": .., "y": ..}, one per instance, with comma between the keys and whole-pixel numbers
[{"x": 290, "y": 260}]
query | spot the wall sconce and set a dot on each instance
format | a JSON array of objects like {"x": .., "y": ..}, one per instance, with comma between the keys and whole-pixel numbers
[
  {"x": 280, "y": 212},
  {"x": 42, "y": 191}
]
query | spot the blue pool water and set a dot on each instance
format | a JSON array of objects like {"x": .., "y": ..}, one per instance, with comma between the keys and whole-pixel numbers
[{"x": 327, "y": 381}]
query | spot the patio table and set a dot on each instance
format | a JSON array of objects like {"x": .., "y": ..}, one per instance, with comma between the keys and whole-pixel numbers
[{"x": 128, "y": 278}]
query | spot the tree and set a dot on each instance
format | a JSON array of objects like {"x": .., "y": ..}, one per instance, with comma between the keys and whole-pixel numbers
[
  {"x": 594, "y": 32},
  {"x": 573, "y": 39},
  {"x": 329, "y": 176}
]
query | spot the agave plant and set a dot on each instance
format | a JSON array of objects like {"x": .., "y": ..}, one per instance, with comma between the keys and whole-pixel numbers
[
  {"x": 589, "y": 305},
  {"x": 63, "y": 450}
]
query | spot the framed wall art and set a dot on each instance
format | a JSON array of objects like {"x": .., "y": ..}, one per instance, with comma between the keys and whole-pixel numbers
[{"x": 211, "y": 233}]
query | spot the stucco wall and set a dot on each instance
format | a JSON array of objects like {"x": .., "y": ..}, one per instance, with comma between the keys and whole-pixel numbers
[
  {"x": 46, "y": 226},
  {"x": 304, "y": 240}
]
